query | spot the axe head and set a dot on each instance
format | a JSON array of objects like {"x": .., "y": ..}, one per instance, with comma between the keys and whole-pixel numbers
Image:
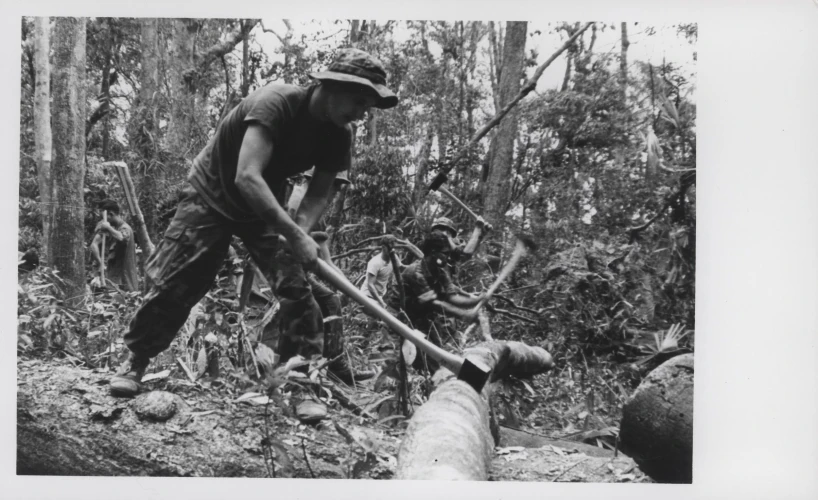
[
  {"x": 527, "y": 241},
  {"x": 438, "y": 181},
  {"x": 474, "y": 373}
]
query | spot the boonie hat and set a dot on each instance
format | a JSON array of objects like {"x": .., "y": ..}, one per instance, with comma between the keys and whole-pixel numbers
[
  {"x": 445, "y": 223},
  {"x": 357, "y": 66}
]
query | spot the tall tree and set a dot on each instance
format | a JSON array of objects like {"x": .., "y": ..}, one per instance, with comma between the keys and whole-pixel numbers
[
  {"x": 143, "y": 127},
  {"x": 66, "y": 250},
  {"x": 42, "y": 123},
  {"x": 495, "y": 196}
]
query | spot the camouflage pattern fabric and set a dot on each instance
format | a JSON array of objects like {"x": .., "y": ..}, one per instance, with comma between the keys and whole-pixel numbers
[{"x": 190, "y": 255}]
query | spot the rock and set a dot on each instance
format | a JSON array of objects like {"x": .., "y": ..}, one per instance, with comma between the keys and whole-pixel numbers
[
  {"x": 657, "y": 422},
  {"x": 156, "y": 405},
  {"x": 311, "y": 412}
]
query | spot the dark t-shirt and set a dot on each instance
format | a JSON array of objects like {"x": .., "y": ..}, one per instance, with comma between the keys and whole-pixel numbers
[{"x": 299, "y": 143}]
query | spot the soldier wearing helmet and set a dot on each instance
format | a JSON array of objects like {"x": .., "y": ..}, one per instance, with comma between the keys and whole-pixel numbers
[{"x": 460, "y": 252}]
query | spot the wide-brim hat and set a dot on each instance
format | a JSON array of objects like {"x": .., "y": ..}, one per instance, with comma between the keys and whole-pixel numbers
[{"x": 357, "y": 66}]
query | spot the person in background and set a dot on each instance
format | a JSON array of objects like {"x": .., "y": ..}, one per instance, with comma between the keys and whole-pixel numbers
[
  {"x": 432, "y": 299},
  {"x": 119, "y": 258},
  {"x": 379, "y": 272}
]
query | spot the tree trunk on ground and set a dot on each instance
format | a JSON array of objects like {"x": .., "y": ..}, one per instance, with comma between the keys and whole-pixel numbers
[
  {"x": 450, "y": 437},
  {"x": 66, "y": 242},
  {"x": 42, "y": 125},
  {"x": 495, "y": 197},
  {"x": 657, "y": 422}
]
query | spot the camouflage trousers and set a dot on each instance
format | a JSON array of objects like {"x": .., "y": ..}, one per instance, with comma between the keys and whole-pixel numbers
[
  {"x": 331, "y": 312},
  {"x": 187, "y": 260}
]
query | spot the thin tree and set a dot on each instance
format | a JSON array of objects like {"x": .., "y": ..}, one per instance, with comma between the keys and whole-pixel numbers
[{"x": 42, "y": 124}]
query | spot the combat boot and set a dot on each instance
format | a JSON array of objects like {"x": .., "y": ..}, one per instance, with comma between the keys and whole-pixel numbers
[{"x": 127, "y": 381}]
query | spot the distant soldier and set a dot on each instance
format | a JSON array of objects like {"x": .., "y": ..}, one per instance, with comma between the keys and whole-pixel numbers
[
  {"x": 119, "y": 258},
  {"x": 379, "y": 272},
  {"x": 460, "y": 252},
  {"x": 432, "y": 299}
]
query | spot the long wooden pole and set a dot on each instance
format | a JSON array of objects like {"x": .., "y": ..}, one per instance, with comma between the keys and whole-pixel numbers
[
  {"x": 102, "y": 252},
  {"x": 133, "y": 205}
]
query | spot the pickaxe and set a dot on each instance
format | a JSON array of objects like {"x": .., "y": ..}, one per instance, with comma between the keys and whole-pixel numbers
[
  {"x": 472, "y": 372},
  {"x": 437, "y": 185},
  {"x": 521, "y": 248}
]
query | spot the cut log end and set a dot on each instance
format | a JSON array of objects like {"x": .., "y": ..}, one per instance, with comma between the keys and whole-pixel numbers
[{"x": 657, "y": 422}]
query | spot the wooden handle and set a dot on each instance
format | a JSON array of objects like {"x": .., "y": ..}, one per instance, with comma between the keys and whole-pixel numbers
[
  {"x": 457, "y": 200},
  {"x": 519, "y": 252},
  {"x": 102, "y": 252},
  {"x": 339, "y": 281}
]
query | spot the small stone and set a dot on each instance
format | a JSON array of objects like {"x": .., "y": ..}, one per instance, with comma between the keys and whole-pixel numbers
[
  {"x": 156, "y": 405},
  {"x": 311, "y": 412}
]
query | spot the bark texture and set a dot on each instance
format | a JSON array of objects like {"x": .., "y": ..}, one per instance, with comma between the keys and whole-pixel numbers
[
  {"x": 657, "y": 422},
  {"x": 498, "y": 182},
  {"x": 450, "y": 437},
  {"x": 143, "y": 127},
  {"x": 66, "y": 242},
  {"x": 42, "y": 123}
]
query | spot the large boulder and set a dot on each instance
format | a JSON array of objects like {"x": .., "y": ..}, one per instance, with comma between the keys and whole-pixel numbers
[{"x": 657, "y": 422}]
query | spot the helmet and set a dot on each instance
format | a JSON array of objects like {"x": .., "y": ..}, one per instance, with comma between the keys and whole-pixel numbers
[{"x": 445, "y": 223}]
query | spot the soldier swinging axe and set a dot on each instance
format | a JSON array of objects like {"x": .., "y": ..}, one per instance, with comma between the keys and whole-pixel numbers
[{"x": 472, "y": 372}]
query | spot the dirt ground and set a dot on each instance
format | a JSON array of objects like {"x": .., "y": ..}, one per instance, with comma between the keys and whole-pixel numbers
[{"x": 69, "y": 425}]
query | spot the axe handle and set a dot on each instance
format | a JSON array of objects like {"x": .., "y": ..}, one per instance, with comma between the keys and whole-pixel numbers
[
  {"x": 518, "y": 254},
  {"x": 339, "y": 281},
  {"x": 455, "y": 199}
]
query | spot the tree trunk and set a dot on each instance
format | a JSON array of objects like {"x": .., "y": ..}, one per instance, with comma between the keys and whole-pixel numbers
[
  {"x": 66, "y": 242},
  {"x": 144, "y": 130},
  {"x": 336, "y": 212},
  {"x": 495, "y": 196},
  {"x": 623, "y": 62},
  {"x": 422, "y": 162},
  {"x": 42, "y": 126},
  {"x": 183, "y": 102},
  {"x": 657, "y": 422},
  {"x": 105, "y": 89},
  {"x": 451, "y": 436}
]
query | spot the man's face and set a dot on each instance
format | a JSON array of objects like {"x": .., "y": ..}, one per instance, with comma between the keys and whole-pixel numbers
[{"x": 346, "y": 106}]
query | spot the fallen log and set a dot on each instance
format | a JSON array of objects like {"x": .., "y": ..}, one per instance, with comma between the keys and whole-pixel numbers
[
  {"x": 657, "y": 422},
  {"x": 450, "y": 437}
]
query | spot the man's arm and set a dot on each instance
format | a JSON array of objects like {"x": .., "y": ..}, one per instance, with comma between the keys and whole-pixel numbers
[
  {"x": 95, "y": 243},
  {"x": 370, "y": 285},
  {"x": 256, "y": 151},
  {"x": 107, "y": 227},
  {"x": 475, "y": 238},
  {"x": 460, "y": 312},
  {"x": 464, "y": 300},
  {"x": 315, "y": 200}
]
